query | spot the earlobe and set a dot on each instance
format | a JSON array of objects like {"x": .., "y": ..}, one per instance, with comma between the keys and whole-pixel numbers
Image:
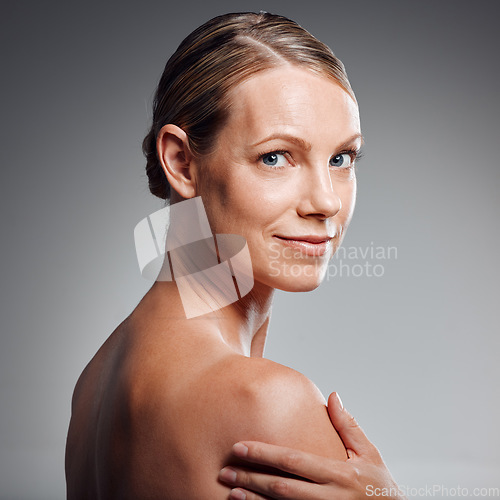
[{"x": 177, "y": 160}]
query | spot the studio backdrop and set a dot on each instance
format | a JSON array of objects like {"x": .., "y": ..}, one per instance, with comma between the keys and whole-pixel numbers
[{"x": 405, "y": 325}]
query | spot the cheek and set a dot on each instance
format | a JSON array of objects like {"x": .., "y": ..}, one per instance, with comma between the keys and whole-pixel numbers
[
  {"x": 213, "y": 193},
  {"x": 229, "y": 202},
  {"x": 251, "y": 198},
  {"x": 348, "y": 198},
  {"x": 254, "y": 206},
  {"x": 213, "y": 187}
]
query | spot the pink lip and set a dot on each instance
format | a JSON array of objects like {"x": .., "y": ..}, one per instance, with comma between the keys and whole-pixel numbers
[{"x": 309, "y": 245}]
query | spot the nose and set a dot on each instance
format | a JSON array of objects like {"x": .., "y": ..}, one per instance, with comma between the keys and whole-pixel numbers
[{"x": 318, "y": 197}]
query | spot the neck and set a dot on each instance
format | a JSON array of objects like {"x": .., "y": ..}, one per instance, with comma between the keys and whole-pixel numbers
[
  {"x": 242, "y": 325},
  {"x": 213, "y": 278}
]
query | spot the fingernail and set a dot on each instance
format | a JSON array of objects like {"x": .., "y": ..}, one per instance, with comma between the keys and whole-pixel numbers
[
  {"x": 237, "y": 494},
  {"x": 240, "y": 449},
  {"x": 339, "y": 401},
  {"x": 227, "y": 474}
]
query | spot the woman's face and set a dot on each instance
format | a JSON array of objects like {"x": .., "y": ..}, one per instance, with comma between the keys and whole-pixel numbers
[{"x": 283, "y": 173}]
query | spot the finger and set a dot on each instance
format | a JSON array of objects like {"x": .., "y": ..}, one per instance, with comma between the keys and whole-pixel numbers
[
  {"x": 241, "y": 494},
  {"x": 306, "y": 465},
  {"x": 349, "y": 430},
  {"x": 269, "y": 485}
]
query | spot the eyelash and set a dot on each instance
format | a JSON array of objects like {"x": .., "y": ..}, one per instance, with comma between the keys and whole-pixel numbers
[
  {"x": 261, "y": 156},
  {"x": 355, "y": 154}
]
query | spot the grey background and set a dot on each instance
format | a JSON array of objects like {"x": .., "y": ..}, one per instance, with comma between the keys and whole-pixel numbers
[{"x": 413, "y": 353}]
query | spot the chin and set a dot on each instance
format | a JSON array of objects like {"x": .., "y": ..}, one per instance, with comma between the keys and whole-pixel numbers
[
  {"x": 297, "y": 279},
  {"x": 300, "y": 287}
]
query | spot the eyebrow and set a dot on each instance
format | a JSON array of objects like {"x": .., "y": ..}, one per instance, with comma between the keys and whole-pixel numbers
[{"x": 304, "y": 144}]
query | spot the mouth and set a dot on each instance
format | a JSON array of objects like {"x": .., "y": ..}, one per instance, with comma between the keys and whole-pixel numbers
[{"x": 312, "y": 245}]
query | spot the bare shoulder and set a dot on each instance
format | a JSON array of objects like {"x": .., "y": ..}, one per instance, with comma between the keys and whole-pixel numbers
[
  {"x": 276, "y": 404},
  {"x": 188, "y": 432},
  {"x": 171, "y": 412},
  {"x": 239, "y": 397}
]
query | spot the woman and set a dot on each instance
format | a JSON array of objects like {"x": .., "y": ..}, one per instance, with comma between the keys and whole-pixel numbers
[{"x": 256, "y": 117}]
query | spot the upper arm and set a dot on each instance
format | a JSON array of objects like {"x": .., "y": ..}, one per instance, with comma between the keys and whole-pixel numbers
[{"x": 281, "y": 406}]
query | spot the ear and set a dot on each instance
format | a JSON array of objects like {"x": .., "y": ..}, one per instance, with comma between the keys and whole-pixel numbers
[{"x": 177, "y": 160}]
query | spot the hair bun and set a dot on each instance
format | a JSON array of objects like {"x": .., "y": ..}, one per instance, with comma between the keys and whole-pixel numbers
[{"x": 158, "y": 184}]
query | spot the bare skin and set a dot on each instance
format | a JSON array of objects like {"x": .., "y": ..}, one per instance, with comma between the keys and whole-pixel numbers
[
  {"x": 172, "y": 402},
  {"x": 157, "y": 410},
  {"x": 363, "y": 475}
]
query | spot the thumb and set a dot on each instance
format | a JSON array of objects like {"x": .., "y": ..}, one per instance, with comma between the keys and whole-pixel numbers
[{"x": 349, "y": 430}]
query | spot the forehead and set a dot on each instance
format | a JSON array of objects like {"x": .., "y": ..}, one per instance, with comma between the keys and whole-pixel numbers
[{"x": 293, "y": 100}]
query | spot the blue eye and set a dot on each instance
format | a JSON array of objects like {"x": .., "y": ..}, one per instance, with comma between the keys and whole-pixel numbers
[
  {"x": 343, "y": 160},
  {"x": 274, "y": 159}
]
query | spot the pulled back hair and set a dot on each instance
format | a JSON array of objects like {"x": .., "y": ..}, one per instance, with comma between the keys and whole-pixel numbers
[{"x": 193, "y": 92}]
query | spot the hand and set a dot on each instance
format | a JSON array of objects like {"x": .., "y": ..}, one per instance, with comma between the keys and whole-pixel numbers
[{"x": 363, "y": 475}]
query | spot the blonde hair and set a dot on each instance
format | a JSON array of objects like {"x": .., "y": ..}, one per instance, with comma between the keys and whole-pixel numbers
[{"x": 193, "y": 92}]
